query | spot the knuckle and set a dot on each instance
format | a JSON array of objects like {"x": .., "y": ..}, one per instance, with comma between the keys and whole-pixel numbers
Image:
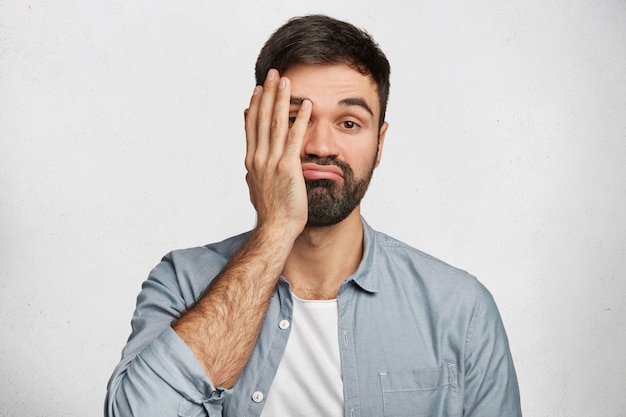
[
  {"x": 248, "y": 121},
  {"x": 275, "y": 124},
  {"x": 283, "y": 165},
  {"x": 257, "y": 162},
  {"x": 264, "y": 114},
  {"x": 294, "y": 134}
]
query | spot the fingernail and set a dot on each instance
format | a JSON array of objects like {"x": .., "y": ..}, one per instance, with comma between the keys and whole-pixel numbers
[
  {"x": 306, "y": 104},
  {"x": 282, "y": 83},
  {"x": 257, "y": 90},
  {"x": 271, "y": 74}
]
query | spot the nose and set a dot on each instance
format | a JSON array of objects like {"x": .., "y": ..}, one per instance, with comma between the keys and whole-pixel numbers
[{"x": 320, "y": 141}]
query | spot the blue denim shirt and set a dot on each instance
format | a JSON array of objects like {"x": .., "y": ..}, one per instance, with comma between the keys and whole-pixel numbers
[{"x": 417, "y": 337}]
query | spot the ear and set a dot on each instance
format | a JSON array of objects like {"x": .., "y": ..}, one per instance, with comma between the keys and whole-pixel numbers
[{"x": 381, "y": 140}]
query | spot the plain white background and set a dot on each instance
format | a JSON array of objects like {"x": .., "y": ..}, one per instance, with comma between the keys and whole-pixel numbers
[{"x": 122, "y": 138}]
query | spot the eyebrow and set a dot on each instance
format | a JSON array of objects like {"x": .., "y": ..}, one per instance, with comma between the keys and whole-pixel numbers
[
  {"x": 346, "y": 102},
  {"x": 296, "y": 101},
  {"x": 356, "y": 101}
]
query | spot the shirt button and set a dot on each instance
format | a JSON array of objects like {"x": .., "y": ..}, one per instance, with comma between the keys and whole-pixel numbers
[
  {"x": 284, "y": 324},
  {"x": 257, "y": 397}
]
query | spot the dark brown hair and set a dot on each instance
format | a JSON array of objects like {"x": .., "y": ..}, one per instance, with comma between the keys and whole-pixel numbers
[{"x": 319, "y": 39}]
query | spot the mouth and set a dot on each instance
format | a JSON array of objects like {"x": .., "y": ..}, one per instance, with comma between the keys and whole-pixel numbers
[{"x": 312, "y": 171}]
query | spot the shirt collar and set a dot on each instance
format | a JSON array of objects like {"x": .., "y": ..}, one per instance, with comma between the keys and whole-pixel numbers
[{"x": 364, "y": 276}]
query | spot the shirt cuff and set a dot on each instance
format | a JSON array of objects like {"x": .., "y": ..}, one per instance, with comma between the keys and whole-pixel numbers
[{"x": 174, "y": 362}]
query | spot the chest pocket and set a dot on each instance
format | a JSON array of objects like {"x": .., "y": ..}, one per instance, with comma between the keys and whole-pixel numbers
[{"x": 431, "y": 392}]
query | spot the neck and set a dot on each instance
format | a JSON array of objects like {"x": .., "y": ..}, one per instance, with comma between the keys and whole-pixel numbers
[{"x": 323, "y": 257}]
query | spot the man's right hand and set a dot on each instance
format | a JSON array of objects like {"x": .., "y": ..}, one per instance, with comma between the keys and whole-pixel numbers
[
  {"x": 222, "y": 327},
  {"x": 275, "y": 181}
]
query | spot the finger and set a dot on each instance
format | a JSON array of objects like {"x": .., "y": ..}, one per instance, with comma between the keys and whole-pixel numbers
[
  {"x": 280, "y": 119},
  {"x": 265, "y": 114},
  {"x": 250, "y": 118},
  {"x": 295, "y": 137}
]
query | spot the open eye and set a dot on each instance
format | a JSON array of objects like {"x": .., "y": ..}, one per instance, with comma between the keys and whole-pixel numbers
[
  {"x": 350, "y": 125},
  {"x": 292, "y": 120}
]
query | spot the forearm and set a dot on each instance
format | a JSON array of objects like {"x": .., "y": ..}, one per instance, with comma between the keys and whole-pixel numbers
[
  {"x": 222, "y": 327},
  {"x": 158, "y": 373}
]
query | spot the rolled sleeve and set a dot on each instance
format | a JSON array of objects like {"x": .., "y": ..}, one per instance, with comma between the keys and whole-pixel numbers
[
  {"x": 158, "y": 374},
  {"x": 165, "y": 379}
]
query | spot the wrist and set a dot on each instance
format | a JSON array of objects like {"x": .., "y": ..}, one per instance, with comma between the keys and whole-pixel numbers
[
  {"x": 279, "y": 237},
  {"x": 280, "y": 228}
]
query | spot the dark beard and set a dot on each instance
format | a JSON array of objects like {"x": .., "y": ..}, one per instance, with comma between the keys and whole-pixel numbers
[{"x": 329, "y": 202}]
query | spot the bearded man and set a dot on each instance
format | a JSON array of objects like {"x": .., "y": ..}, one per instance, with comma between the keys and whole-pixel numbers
[{"x": 314, "y": 313}]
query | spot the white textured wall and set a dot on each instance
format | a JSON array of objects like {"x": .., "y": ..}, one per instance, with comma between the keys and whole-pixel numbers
[{"x": 121, "y": 138}]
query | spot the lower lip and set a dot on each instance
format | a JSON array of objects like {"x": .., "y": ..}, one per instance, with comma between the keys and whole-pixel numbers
[{"x": 313, "y": 174}]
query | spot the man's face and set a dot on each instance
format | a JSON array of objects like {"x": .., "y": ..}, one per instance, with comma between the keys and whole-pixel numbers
[{"x": 342, "y": 144}]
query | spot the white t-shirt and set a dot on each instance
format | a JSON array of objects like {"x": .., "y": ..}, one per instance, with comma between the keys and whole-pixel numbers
[{"x": 308, "y": 380}]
